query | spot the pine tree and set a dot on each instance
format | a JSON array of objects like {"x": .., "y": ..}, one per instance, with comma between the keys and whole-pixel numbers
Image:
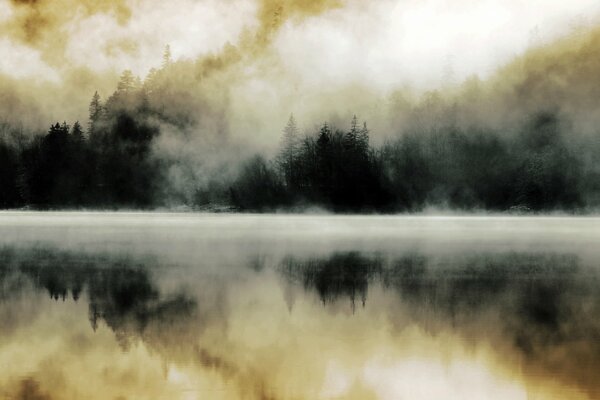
[
  {"x": 350, "y": 139},
  {"x": 77, "y": 132},
  {"x": 64, "y": 128},
  {"x": 127, "y": 82},
  {"x": 324, "y": 137},
  {"x": 325, "y": 161},
  {"x": 289, "y": 150},
  {"x": 363, "y": 138},
  {"x": 167, "y": 60},
  {"x": 151, "y": 81},
  {"x": 54, "y": 130},
  {"x": 95, "y": 112}
]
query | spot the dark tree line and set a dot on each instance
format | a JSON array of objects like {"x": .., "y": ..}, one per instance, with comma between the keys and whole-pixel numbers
[
  {"x": 333, "y": 168},
  {"x": 112, "y": 163},
  {"x": 534, "y": 169}
]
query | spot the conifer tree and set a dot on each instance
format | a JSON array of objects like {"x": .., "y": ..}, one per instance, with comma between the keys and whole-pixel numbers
[
  {"x": 77, "y": 132},
  {"x": 95, "y": 110},
  {"x": 352, "y": 135},
  {"x": 363, "y": 138},
  {"x": 167, "y": 60},
  {"x": 289, "y": 151},
  {"x": 127, "y": 82}
]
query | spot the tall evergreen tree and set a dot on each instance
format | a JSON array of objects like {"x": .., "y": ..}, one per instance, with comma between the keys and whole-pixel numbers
[
  {"x": 95, "y": 110},
  {"x": 167, "y": 60},
  {"x": 151, "y": 81},
  {"x": 323, "y": 172},
  {"x": 65, "y": 127},
  {"x": 324, "y": 138},
  {"x": 363, "y": 139},
  {"x": 352, "y": 135},
  {"x": 127, "y": 82},
  {"x": 77, "y": 132},
  {"x": 288, "y": 154}
]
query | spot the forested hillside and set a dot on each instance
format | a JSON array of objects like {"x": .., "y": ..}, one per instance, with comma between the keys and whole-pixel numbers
[{"x": 525, "y": 140}]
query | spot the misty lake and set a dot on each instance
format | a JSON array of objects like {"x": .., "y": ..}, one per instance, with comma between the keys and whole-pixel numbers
[{"x": 234, "y": 306}]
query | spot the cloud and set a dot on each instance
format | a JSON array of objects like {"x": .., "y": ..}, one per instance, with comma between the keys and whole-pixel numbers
[
  {"x": 390, "y": 43},
  {"x": 25, "y": 62},
  {"x": 319, "y": 59},
  {"x": 384, "y": 43}
]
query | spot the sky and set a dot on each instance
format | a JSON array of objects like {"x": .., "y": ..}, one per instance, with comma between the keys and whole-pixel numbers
[
  {"x": 383, "y": 42},
  {"x": 314, "y": 58}
]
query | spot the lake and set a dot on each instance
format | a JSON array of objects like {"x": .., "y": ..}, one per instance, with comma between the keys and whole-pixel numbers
[{"x": 234, "y": 306}]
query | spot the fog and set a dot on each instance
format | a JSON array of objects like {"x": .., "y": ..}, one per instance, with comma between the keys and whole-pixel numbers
[
  {"x": 317, "y": 59},
  {"x": 235, "y": 71}
]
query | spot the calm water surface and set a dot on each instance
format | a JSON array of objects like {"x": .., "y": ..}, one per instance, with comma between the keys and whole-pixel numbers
[{"x": 207, "y": 306}]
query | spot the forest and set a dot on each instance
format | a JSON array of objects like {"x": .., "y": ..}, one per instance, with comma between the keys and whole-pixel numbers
[
  {"x": 209, "y": 132},
  {"x": 112, "y": 163},
  {"x": 450, "y": 169}
]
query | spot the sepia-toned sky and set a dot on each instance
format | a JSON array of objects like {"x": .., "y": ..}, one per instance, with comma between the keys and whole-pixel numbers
[
  {"x": 319, "y": 59},
  {"x": 384, "y": 42}
]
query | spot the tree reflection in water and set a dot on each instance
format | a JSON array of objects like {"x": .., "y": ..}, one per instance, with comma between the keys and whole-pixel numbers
[
  {"x": 546, "y": 305},
  {"x": 543, "y": 306}
]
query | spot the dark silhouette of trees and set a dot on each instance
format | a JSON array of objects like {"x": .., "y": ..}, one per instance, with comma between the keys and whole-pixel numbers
[
  {"x": 443, "y": 166},
  {"x": 77, "y": 132},
  {"x": 114, "y": 163},
  {"x": 549, "y": 174},
  {"x": 332, "y": 168},
  {"x": 10, "y": 194},
  {"x": 258, "y": 186},
  {"x": 110, "y": 166},
  {"x": 53, "y": 166},
  {"x": 126, "y": 174},
  {"x": 435, "y": 159}
]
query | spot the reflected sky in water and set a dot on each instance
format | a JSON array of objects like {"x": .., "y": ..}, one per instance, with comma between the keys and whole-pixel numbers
[{"x": 181, "y": 306}]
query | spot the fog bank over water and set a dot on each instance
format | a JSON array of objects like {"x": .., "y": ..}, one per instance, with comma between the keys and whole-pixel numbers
[{"x": 305, "y": 234}]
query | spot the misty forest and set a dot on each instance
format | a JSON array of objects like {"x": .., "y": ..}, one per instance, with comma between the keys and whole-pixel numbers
[
  {"x": 439, "y": 151},
  {"x": 111, "y": 164}
]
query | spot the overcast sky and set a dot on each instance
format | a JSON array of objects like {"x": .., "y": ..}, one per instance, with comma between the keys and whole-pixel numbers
[
  {"x": 319, "y": 59},
  {"x": 382, "y": 42}
]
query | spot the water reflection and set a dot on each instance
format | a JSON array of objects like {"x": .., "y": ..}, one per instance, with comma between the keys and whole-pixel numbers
[
  {"x": 120, "y": 291},
  {"x": 347, "y": 325},
  {"x": 342, "y": 274},
  {"x": 546, "y": 306}
]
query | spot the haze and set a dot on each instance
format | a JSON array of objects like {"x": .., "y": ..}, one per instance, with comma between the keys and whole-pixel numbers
[{"x": 306, "y": 49}]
